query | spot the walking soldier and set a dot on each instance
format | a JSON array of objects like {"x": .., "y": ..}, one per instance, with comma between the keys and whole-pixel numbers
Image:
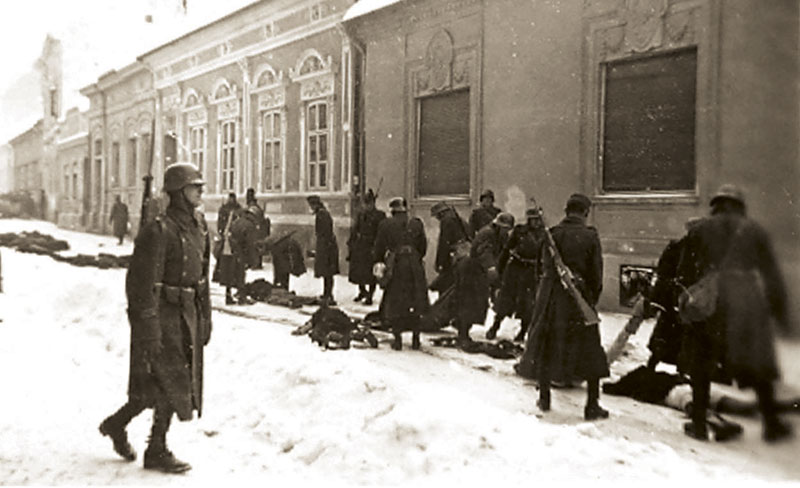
[
  {"x": 751, "y": 292},
  {"x": 399, "y": 248},
  {"x": 519, "y": 266},
  {"x": 452, "y": 232},
  {"x": 119, "y": 219},
  {"x": 360, "y": 244},
  {"x": 170, "y": 317}
]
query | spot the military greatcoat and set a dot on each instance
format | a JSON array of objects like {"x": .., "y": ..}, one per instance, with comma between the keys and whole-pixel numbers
[
  {"x": 326, "y": 258},
  {"x": 168, "y": 301},
  {"x": 560, "y": 341},
  {"x": 360, "y": 244}
]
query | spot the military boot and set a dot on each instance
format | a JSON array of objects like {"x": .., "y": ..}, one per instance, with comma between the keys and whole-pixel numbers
[
  {"x": 594, "y": 411},
  {"x": 544, "y": 399},
  {"x": 415, "y": 345},
  {"x": 158, "y": 458},
  {"x": 492, "y": 332},
  {"x": 397, "y": 344},
  {"x": 119, "y": 437}
]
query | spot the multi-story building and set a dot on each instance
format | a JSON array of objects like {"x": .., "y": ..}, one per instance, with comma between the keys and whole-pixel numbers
[
  {"x": 645, "y": 106},
  {"x": 120, "y": 120},
  {"x": 72, "y": 167},
  {"x": 6, "y": 169},
  {"x": 28, "y": 152},
  {"x": 261, "y": 99}
]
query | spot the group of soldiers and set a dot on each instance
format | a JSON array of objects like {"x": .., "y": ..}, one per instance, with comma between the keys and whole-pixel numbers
[{"x": 490, "y": 260}]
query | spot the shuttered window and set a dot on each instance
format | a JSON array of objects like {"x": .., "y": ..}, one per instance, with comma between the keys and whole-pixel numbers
[
  {"x": 443, "y": 159},
  {"x": 648, "y": 139}
]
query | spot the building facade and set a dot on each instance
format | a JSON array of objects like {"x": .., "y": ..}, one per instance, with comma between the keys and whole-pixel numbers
[
  {"x": 28, "y": 153},
  {"x": 120, "y": 121},
  {"x": 6, "y": 169},
  {"x": 261, "y": 99},
  {"x": 72, "y": 200},
  {"x": 645, "y": 106}
]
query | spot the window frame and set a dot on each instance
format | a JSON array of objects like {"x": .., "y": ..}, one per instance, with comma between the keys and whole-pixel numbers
[
  {"x": 600, "y": 186},
  {"x": 116, "y": 164},
  {"x": 277, "y": 163},
  {"x": 313, "y": 179},
  {"x": 197, "y": 153},
  {"x": 227, "y": 165}
]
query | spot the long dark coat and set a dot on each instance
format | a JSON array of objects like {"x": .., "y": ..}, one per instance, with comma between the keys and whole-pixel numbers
[
  {"x": 173, "y": 250},
  {"x": 119, "y": 219},
  {"x": 559, "y": 340},
  {"x": 287, "y": 258},
  {"x": 665, "y": 341},
  {"x": 361, "y": 243},
  {"x": 326, "y": 258},
  {"x": 752, "y": 297},
  {"x": 230, "y": 270},
  {"x": 226, "y": 211},
  {"x": 452, "y": 229},
  {"x": 520, "y": 268},
  {"x": 406, "y": 293},
  {"x": 244, "y": 233},
  {"x": 470, "y": 292},
  {"x": 481, "y": 217}
]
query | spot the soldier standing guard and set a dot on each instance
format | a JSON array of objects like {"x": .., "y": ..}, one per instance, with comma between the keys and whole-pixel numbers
[
  {"x": 452, "y": 231},
  {"x": 561, "y": 346},
  {"x": 484, "y": 214},
  {"x": 169, "y": 311},
  {"x": 119, "y": 219},
  {"x": 519, "y": 266},
  {"x": 399, "y": 249},
  {"x": 360, "y": 244},
  {"x": 326, "y": 256}
]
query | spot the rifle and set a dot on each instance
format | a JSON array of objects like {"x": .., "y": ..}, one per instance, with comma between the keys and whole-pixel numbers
[
  {"x": 567, "y": 280},
  {"x": 147, "y": 194}
]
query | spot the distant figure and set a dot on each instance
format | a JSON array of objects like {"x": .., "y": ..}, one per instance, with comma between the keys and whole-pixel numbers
[
  {"x": 225, "y": 211},
  {"x": 262, "y": 222},
  {"x": 751, "y": 297},
  {"x": 326, "y": 257},
  {"x": 484, "y": 214},
  {"x": 287, "y": 259},
  {"x": 119, "y": 219},
  {"x": 245, "y": 256},
  {"x": 360, "y": 244}
]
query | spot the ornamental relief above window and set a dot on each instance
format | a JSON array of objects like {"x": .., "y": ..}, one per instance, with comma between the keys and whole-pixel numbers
[{"x": 444, "y": 68}]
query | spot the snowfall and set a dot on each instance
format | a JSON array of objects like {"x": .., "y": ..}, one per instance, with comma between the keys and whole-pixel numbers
[{"x": 277, "y": 408}]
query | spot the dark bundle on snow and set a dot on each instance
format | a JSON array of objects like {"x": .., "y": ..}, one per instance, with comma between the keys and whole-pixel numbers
[{"x": 331, "y": 325}]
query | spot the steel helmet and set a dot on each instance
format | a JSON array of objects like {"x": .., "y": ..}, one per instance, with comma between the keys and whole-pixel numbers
[
  {"x": 504, "y": 219},
  {"x": 178, "y": 175},
  {"x": 729, "y": 192}
]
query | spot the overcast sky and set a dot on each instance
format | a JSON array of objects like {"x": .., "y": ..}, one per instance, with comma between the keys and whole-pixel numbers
[{"x": 96, "y": 36}]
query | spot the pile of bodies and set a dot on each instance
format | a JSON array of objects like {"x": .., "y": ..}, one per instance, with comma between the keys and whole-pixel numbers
[{"x": 46, "y": 245}]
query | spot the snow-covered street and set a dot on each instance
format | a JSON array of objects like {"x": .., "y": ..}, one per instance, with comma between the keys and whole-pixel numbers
[{"x": 277, "y": 408}]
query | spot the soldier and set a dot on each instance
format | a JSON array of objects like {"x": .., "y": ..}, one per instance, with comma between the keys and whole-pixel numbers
[
  {"x": 227, "y": 210},
  {"x": 750, "y": 293},
  {"x": 484, "y": 214},
  {"x": 170, "y": 316},
  {"x": 262, "y": 224},
  {"x": 399, "y": 248},
  {"x": 287, "y": 258},
  {"x": 561, "y": 346},
  {"x": 665, "y": 341},
  {"x": 244, "y": 232},
  {"x": 452, "y": 232},
  {"x": 326, "y": 257},
  {"x": 519, "y": 266},
  {"x": 119, "y": 219},
  {"x": 360, "y": 244}
]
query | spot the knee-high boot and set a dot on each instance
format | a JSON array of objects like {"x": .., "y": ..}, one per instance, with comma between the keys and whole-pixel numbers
[{"x": 157, "y": 456}]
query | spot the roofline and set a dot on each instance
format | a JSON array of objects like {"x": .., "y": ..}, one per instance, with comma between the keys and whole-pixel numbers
[
  {"x": 169, "y": 43},
  {"x": 36, "y": 126}
]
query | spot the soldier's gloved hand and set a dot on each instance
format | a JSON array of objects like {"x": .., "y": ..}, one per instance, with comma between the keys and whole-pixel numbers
[
  {"x": 378, "y": 270},
  {"x": 492, "y": 274}
]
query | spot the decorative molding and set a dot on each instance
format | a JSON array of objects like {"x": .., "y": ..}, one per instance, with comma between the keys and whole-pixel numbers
[
  {"x": 266, "y": 77},
  {"x": 644, "y": 24},
  {"x": 228, "y": 109},
  {"x": 310, "y": 64},
  {"x": 443, "y": 69},
  {"x": 317, "y": 87},
  {"x": 197, "y": 116},
  {"x": 271, "y": 98}
]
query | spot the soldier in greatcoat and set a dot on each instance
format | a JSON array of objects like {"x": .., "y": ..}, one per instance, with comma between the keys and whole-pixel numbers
[
  {"x": 475, "y": 273},
  {"x": 119, "y": 219},
  {"x": 751, "y": 297},
  {"x": 484, "y": 214},
  {"x": 244, "y": 251},
  {"x": 452, "y": 232},
  {"x": 399, "y": 248},
  {"x": 326, "y": 256},
  {"x": 561, "y": 346},
  {"x": 262, "y": 223},
  {"x": 519, "y": 266},
  {"x": 227, "y": 210},
  {"x": 169, "y": 311},
  {"x": 360, "y": 245}
]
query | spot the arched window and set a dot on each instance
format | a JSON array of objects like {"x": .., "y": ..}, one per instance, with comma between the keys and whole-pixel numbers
[
  {"x": 311, "y": 64},
  {"x": 222, "y": 92}
]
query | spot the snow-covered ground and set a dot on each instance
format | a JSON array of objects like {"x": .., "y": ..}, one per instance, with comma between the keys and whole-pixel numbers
[{"x": 277, "y": 408}]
